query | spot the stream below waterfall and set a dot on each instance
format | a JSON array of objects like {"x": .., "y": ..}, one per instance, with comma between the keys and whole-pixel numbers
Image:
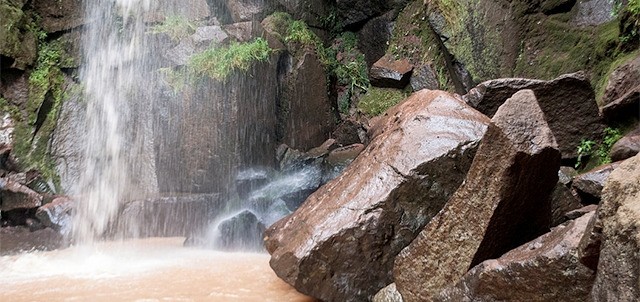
[{"x": 155, "y": 269}]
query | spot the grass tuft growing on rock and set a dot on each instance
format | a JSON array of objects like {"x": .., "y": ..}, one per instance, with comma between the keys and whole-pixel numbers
[
  {"x": 378, "y": 100},
  {"x": 176, "y": 27},
  {"x": 218, "y": 62}
]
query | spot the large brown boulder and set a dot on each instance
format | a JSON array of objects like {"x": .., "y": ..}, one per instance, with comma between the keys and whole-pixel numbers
[
  {"x": 340, "y": 244},
  {"x": 15, "y": 195},
  {"x": 503, "y": 202},
  {"x": 619, "y": 216},
  {"x": 626, "y": 147},
  {"x": 547, "y": 269},
  {"x": 622, "y": 80},
  {"x": 562, "y": 100}
]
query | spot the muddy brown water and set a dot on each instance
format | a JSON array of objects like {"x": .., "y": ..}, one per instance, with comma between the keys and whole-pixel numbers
[{"x": 156, "y": 269}]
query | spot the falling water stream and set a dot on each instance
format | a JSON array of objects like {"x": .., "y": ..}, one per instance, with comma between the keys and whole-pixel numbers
[{"x": 118, "y": 62}]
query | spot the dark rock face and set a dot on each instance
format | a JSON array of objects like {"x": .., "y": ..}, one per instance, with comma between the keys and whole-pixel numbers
[
  {"x": 390, "y": 73},
  {"x": 619, "y": 263},
  {"x": 625, "y": 107},
  {"x": 340, "y": 244},
  {"x": 626, "y": 147},
  {"x": 241, "y": 231},
  {"x": 562, "y": 100},
  {"x": 305, "y": 114},
  {"x": 563, "y": 200},
  {"x": 545, "y": 269},
  {"x": 190, "y": 9},
  {"x": 196, "y": 155},
  {"x": 310, "y": 11},
  {"x": 504, "y": 202},
  {"x": 354, "y": 11},
  {"x": 589, "y": 185},
  {"x": 374, "y": 37},
  {"x": 60, "y": 15},
  {"x": 169, "y": 216}
]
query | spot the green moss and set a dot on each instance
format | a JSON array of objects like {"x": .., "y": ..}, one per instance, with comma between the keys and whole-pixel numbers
[
  {"x": 176, "y": 27},
  {"x": 37, "y": 120},
  {"x": 11, "y": 20},
  {"x": 378, "y": 100}
]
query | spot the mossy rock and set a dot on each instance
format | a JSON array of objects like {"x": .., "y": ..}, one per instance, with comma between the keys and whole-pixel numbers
[
  {"x": 17, "y": 30},
  {"x": 378, "y": 100}
]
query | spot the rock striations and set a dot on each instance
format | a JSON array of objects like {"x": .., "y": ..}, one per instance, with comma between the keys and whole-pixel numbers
[{"x": 502, "y": 204}]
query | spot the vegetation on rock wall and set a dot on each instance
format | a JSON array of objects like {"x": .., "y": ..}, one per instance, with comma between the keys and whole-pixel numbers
[
  {"x": 175, "y": 26},
  {"x": 378, "y": 100},
  {"x": 341, "y": 59},
  {"x": 218, "y": 62}
]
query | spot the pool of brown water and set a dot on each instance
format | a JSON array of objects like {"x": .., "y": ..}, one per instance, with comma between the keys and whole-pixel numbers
[{"x": 156, "y": 269}]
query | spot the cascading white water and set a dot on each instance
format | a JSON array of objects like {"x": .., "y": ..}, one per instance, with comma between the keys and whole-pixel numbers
[{"x": 114, "y": 48}]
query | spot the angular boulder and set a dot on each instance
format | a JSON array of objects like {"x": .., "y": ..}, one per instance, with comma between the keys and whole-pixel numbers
[
  {"x": 622, "y": 80},
  {"x": 545, "y": 269},
  {"x": 619, "y": 216},
  {"x": 391, "y": 73},
  {"x": 503, "y": 203},
  {"x": 626, "y": 147},
  {"x": 562, "y": 100},
  {"x": 589, "y": 185},
  {"x": 340, "y": 244},
  {"x": 18, "y": 196}
]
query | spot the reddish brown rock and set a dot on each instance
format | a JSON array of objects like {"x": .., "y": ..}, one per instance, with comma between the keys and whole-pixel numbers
[
  {"x": 626, "y": 147},
  {"x": 503, "y": 203},
  {"x": 18, "y": 196},
  {"x": 545, "y": 269},
  {"x": 619, "y": 217},
  {"x": 20, "y": 239},
  {"x": 562, "y": 100},
  {"x": 57, "y": 214},
  {"x": 344, "y": 155},
  {"x": 340, "y": 244},
  {"x": 622, "y": 80},
  {"x": 388, "y": 72},
  {"x": 589, "y": 185}
]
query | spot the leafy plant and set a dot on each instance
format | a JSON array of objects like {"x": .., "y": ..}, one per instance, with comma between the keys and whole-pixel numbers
[
  {"x": 585, "y": 148},
  {"x": 611, "y": 136}
]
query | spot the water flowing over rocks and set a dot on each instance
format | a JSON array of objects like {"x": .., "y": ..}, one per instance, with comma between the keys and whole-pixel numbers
[
  {"x": 561, "y": 100},
  {"x": 545, "y": 269},
  {"x": 618, "y": 269},
  {"x": 340, "y": 244},
  {"x": 57, "y": 214},
  {"x": 503, "y": 202}
]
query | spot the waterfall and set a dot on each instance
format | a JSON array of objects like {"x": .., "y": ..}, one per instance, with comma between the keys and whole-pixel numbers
[{"x": 115, "y": 64}]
